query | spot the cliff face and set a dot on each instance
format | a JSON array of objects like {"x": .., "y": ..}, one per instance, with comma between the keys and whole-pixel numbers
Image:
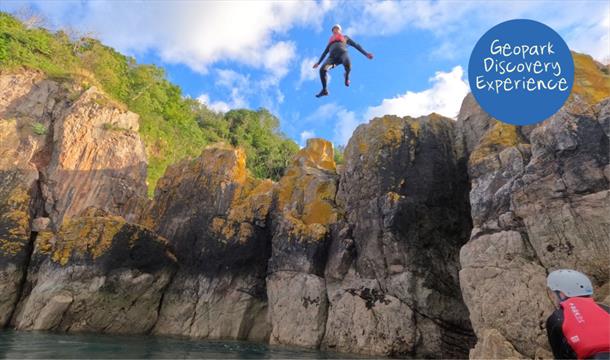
[
  {"x": 393, "y": 265},
  {"x": 215, "y": 216},
  {"x": 540, "y": 202},
  {"x": 63, "y": 149},
  {"x": 433, "y": 236},
  {"x": 303, "y": 215}
]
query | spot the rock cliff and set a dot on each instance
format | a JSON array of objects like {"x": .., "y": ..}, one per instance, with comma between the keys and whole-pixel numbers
[
  {"x": 539, "y": 202},
  {"x": 215, "y": 216},
  {"x": 433, "y": 239},
  {"x": 64, "y": 149}
]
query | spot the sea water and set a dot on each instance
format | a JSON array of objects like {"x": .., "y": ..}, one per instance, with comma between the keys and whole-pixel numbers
[{"x": 22, "y": 344}]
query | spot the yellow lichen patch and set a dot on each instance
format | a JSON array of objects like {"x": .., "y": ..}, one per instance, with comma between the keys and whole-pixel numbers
[
  {"x": 319, "y": 212},
  {"x": 11, "y": 247},
  {"x": 81, "y": 235},
  {"x": 499, "y": 137},
  {"x": 415, "y": 127},
  {"x": 43, "y": 242},
  {"x": 363, "y": 147},
  {"x": 245, "y": 232},
  {"x": 380, "y": 132},
  {"x": 253, "y": 200},
  {"x": 318, "y": 153},
  {"x": 394, "y": 197},
  {"x": 14, "y": 220},
  {"x": 224, "y": 161},
  {"x": 326, "y": 191},
  {"x": 18, "y": 197},
  {"x": 589, "y": 81},
  {"x": 19, "y": 221},
  {"x": 240, "y": 171},
  {"x": 218, "y": 224},
  {"x": 287, "y": 186},
  {"x": 228, "y": 231}
]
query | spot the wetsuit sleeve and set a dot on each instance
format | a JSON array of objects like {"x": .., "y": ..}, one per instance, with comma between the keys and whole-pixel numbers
[
  {"x": 559, "y": 344},
  {"x": 324, "y": 54},
  {"x": 355, "y": 45}
]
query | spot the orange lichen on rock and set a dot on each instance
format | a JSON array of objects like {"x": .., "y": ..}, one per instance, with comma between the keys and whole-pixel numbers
[
  {"x": 498, "y": 137},
  {"x": 590, "y": 81},
  {"x": 317, "y": 153},
  {"x": 91, "y": 233},
  {"x": 306, "y": 193},
  {"x": 319, "y": 212},
  {"x": 14, "y": 221}
]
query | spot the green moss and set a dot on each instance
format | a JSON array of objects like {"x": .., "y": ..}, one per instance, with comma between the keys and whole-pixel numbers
[{"x": 39, "y": 129}]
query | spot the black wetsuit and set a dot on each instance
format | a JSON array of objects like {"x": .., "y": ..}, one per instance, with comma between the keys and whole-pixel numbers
[
  {"x": 338, "y": 55},
  {"x": 559, "y": 343}
]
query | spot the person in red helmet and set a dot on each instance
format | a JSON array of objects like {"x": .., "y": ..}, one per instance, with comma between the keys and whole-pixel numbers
[
  {"x": 337, "y": 46},
  {"x": 579, "y": 328}
]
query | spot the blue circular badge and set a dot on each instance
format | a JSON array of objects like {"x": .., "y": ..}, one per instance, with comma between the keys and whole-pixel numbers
[{"x": 521, "y": 72}]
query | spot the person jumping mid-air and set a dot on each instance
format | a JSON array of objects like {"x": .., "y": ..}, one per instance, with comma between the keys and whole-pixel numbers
[
  {"x": 579, "y": 328},
  {"x": 337, "y": 46}
]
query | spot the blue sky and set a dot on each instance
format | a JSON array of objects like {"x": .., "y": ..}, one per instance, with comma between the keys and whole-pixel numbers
[{"x": 233, "y": 54}]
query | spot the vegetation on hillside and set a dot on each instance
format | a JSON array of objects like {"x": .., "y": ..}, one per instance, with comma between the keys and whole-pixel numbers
[{"x": 172, "y": 126}]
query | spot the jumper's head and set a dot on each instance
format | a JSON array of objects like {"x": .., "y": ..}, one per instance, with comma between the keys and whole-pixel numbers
[{"x": 336, "y": 29}]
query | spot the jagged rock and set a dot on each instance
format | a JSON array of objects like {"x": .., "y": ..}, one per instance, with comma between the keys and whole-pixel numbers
[
  {"x": 97, "y": 159},
  {"x": 392, "y": 269},
  {"x": 19, "y": 189},
  {"x": 539, "y": 202},
  {"x": 302, "y": 216},
  {"x": 493, "y": 345},
  {"x": 215, "y": 215},
  {"x": 61, "y": 152},
  {"x": 98, "y": 273},
  {"x": 40, "y": 224}
]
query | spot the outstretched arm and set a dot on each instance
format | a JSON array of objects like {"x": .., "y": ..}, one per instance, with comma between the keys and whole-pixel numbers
[
  {"x": 357, "y": 46},
  {"x": 323, "y": 55}
]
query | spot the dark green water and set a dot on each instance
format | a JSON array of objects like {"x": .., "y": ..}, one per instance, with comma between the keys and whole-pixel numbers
[{"x": 20, "y": 345}]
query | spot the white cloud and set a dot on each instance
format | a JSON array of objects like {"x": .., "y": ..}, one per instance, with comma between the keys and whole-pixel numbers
[
  {"x": 278, "y": 57},
  {"x": 444, "y": 97},
  {"x": 458, "y": 25},
  {"x": 195, "y": 33},
  {"x": 345, "y": 126},
  {"x": 307, "y": 134},
  {"x": 307, "y": 72},
  {"x": 218, "y": 106}
]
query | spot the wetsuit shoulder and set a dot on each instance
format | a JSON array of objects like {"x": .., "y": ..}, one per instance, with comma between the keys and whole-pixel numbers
[
  {"x": 559, "y": 344},
  {"x": 355, "y": 45}
]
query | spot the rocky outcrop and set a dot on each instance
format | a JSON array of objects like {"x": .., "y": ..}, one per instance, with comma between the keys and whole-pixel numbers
[
  {"x": 539, "y": 202},
  {"x": 62, "y": 150},
  {"x": 98, "y": 273},
  {"x": 303, "y": 214},
  {"x": 215, "y": 216},
  {"x": 392, "y": 273},
  {"x": 431, "y": 233}
]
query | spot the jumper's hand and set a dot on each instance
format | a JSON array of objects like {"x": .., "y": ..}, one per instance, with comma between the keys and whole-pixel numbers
[
  {"x": 315, "y": 65},
  {"x": 369, "y": 55}
]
